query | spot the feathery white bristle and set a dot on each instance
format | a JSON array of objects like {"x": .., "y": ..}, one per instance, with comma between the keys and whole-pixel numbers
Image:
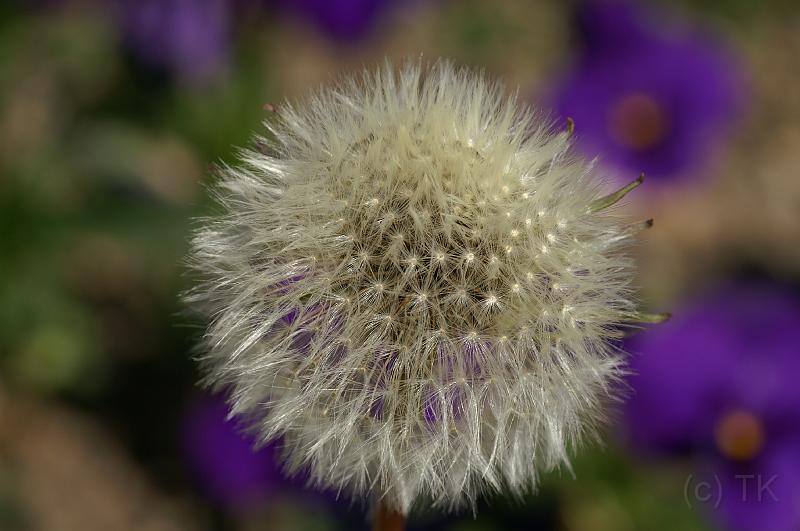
[{"x": 412, "y": 288}]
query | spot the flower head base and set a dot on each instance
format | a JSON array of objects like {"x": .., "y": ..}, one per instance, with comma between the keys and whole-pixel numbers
[{"x": 416, "y": 286}]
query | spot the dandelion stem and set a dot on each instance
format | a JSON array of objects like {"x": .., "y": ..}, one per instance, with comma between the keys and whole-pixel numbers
[{"x": 387, "y": 519}]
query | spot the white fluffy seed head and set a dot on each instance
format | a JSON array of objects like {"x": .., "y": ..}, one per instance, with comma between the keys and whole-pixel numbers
[{"x": 408, "y": 284}]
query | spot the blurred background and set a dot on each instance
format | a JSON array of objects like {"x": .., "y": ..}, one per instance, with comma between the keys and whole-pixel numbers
[{"x": 112, "y": 114}]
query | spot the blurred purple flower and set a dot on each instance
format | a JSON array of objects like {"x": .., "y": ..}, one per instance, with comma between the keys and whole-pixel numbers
[
  {"x": 647, "y": 95},
  {"x": 222, "y": 458},
  {"x": 188, "y": 37},
  {"x": 719, "y": 383},
  {"x": 344, "y": 21}
]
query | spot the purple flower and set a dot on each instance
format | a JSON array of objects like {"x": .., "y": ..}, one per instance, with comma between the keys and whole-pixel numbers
[
  {"x": 188, "y": 37},
  {"x": 648, "y": 96},
  {"x": 222, "y": 458},
  {"x": 344, "y": 21},
  {"x": 719, "y": 383}
]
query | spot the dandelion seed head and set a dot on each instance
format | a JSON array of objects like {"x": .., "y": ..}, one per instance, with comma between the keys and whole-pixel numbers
[{"x": 413, "y": 349}]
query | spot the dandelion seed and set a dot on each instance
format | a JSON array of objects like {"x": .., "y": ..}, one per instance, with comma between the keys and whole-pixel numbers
[{"x": 399, "y": 157}]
